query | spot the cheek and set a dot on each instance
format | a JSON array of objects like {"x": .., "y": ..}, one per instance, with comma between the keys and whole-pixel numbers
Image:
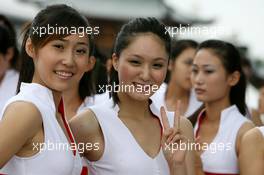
[
  {"x": 159, "y": 76},
  {"x": 126, "y": 73}
]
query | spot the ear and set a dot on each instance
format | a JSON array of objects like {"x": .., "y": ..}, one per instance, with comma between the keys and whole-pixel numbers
[
  {"x": 91, "y": 63},
  {"x": 29, "y": 48},
  {"x": 115, "y": 61},
  {"x": 233, "y": 78},
  {"x": 9, "y": 54}
]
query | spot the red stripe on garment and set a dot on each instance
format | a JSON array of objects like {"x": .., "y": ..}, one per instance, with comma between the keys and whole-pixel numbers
[
  {"x": 200, "y": 119},
  {"x": 61, "y": 111},
  {"x": 84, "y": 171},
  {"x": 207, "y": 173}
]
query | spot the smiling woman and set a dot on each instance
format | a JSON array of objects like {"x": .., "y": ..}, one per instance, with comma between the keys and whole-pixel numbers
[
  {"x": 130, "y": 131},
  {"x": 35, "y": 116}
]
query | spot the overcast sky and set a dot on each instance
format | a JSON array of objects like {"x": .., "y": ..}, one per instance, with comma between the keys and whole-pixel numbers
[{"x": 242, "y": 20}]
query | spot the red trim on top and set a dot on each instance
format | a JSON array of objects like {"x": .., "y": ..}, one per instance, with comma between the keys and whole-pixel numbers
[
  {"x": 206, "y": 173},
  {"x": 84, "y": 170},
  {"x": 61, "y": 111},
  {"x": 201, "y": 116}
]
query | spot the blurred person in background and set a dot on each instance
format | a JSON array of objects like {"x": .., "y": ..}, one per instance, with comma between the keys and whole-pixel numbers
[
  {"x": 178, "y": 80},
  {"x": 9, "y": 61}
]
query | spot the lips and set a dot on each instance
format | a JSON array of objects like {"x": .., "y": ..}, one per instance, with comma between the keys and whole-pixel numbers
[
  {"x": 64, "y": 74},
  {"x": 199, "y": 91}
]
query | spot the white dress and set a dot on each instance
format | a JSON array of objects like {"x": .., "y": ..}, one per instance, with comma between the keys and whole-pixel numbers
[
  {"x": 56, "y": 157},
  {"x": 220, "y": 155},
  {"x": 122, "y": 154}
]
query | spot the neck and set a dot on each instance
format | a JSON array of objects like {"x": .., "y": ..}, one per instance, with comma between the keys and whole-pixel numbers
[
  {"x": 72, "y": 102},
  {"x": 214, "y": 109},
  {"x": 132, "y": 108},
  {"x": 175, "y": 93},
  {"x": 57, "y": 98}
]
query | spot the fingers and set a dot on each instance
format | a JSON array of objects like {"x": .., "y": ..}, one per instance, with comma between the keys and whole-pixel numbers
[
  {"x": 164, "y": 118},
  {"x": 177, "y": 116}
]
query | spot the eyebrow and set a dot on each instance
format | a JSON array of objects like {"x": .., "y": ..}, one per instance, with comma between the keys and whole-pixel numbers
[
  {"x": 205, "y": 65},
  {"x": 79, "y": 43},
  {"x": 156, "y": 59}
]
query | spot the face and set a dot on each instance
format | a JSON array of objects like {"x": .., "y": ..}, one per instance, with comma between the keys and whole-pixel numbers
[
  {"x": 181, "y": 69},
  {"x": 60, "y": 63},
  {"x": 142, "y": 65},
  {"x": 209, "y": 77}
]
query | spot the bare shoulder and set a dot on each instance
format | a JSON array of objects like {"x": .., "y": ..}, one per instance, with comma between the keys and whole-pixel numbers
[
  {"x": 84, "y": 123},
  {"x": 24, "y": 114},
  {"x": 21, "y": 122},
  {"x": 86, "y": 130},
  {"x": 242, "y": 130},
  {"x": 253, "y": 136}
]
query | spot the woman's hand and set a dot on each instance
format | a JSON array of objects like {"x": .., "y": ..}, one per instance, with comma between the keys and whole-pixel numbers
[{"x": 174, "y": 143}]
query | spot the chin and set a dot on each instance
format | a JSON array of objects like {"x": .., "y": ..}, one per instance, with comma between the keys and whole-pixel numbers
[{"x": 140, "y": 96}]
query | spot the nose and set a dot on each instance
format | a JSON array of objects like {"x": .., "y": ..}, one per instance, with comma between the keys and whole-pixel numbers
[
  {"x": 145, "y": 73},
  {"x": 68, "y": 59},
  {"x": 198, "y": 78}
]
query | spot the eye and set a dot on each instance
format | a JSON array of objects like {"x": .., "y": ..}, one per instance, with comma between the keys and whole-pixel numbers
[
  {"x": 157, "y": 65},
  {"x": 189, "y": 62},
  {"x": 209, "y": 71},
  {"x": 58, "y": 46},
  {"x": 81, "y": 51},
  {"x": 194, "y": 70},
  {"x": 135, "y": 62}
]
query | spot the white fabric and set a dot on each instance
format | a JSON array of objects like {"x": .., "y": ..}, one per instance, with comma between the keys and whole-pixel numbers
[
  {"x": 122, "y": 154},
  {"x": 252, "y": 97},
  {"x": 222, "y": 158},
  {"x": 50, "y": 161},
  {"x": 8, "y": 86},
  {"x": 158, "y": 99},
  {"x": 90, "y": 101}
]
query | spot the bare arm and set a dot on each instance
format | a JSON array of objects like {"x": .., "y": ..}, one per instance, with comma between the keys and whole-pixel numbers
[
  {"x": 252, "y": 153},
  {"x": 21, "y": 121},
  {"x": 87, "y": 131}
]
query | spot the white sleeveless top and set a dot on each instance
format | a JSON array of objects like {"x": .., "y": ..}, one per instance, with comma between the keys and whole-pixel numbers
[
  {"x": 8, "y": 86},
  {"x": 158, "y": 99},
  {"x": 221, "y": 156},
  {"x": 122, "y": 154},
  {"x": 58, "y": 159}
]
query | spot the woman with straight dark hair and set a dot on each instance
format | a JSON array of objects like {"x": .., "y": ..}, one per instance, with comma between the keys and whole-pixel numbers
[
  {"x": 34, "y": 135},
  {"x": 9, "y": 61},
  {"x": 128, "y": 131},
  {"x": 178, "y": 80},
  {"x": 219, "y": 83}
]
